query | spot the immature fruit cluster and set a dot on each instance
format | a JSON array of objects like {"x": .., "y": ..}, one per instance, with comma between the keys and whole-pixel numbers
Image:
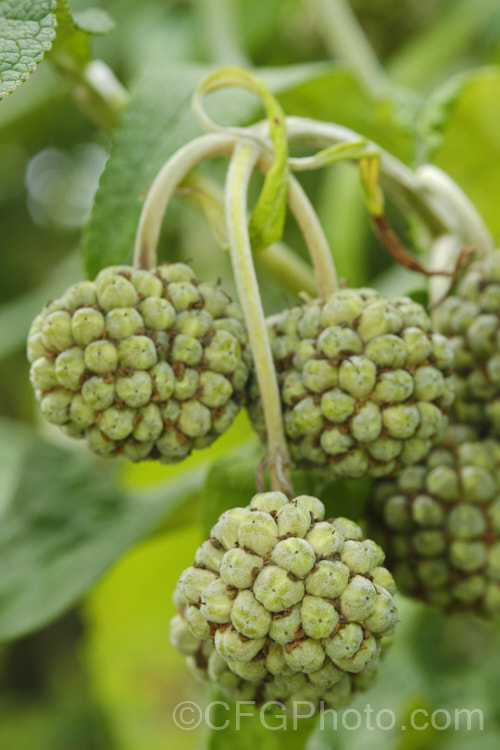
[
  {"x": 364, "y": 383},
  {"x": 440, "y": 524},
  {"x": 471, "y": 319},
  {"x": 282, "y": 605},
  {"x": 145, "y": 364}
]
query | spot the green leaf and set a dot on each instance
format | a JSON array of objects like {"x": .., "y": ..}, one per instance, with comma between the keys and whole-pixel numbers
[
  {"x": 230, "y": 483},
  {"x": 94, "y": 21},
  {"x": 269, "y": 729},
  {"x": 156, "y": 123},
  {"x": 66, "y": 523},
  {"x": 460, "y": 133},
  {"x": 27, "y": 30}
]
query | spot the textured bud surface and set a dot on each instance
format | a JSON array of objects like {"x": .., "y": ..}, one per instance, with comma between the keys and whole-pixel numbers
[
  {"x": 440, "y": 525},
  {"x": 283, "y": 604},
  {"x": 365, "y": 383},
  {"x": 144, "y": 364},
  {"x": 470, "y": 319}
]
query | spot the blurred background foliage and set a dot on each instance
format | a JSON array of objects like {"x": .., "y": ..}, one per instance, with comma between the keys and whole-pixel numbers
[{"x": 102, "y": 675}]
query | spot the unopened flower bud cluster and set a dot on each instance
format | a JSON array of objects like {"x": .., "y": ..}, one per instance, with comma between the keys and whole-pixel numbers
[
  {"x": 145, "y": 364},
  {"x": 440, "y": 525},
  {"x": 365, "y": 383},
  {"x": 283, "y": 605},
  {"x": 471, "y": 319}
]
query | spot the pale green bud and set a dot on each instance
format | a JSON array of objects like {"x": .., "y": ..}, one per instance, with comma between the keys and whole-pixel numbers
[
  {"x": 240, "y": 568},
  {"x": 284, "y": 625},
  {"x": 223, "y": 353},
  {"x": 138, "y": 352},
  {"x": 345, "y": 643},
  {"x": 227, "y": 527},
  {"x": 148, "y": 423},
  {"x": 56, "y": 331},
  {"x": 69, "y": 368},
  {"x": 43, "y": 374},
  {"x": 216, "y": 603},
  {"x": 135, "y": 390},
  {"x": 329, "y": 579},
  {"x": 233, "y": 646},
  {"x": 357, "y": 601},
  {"x": 55, "y": 406},
  {"x": 101, "y": 357},
  {"x": 294, "y": 520},
  {"x": 193, "y": 581},
  {"x": 216, "y": 389},
  {"x": 209, "y": 555},
  {"x": 115, "y": 291},
  {"x": 87, "y": 325},
  {"x": 98, "y": 393},
  {"x": 276, "y": 590},
  {"x": 294, "y": 555},
  {"x": 325, "y": 539},
  {"x": 258, "y": 533},
  {"x": 319, "y": 617},
  {"x": 194, "y": 420},
  {"x": 197, "y": 624},
  {"x": 117, "y": 424},
  {"x": 305, "y": 656},
  {"x": 268, "y": 502},
  {"x": 181, "y": 638},
  {"x": 357, "y": 376},
  {"x": 249, "y": 617}
]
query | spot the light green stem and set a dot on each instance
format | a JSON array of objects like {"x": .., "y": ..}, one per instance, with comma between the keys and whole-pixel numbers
[
  {"x": 346, "y": 39},
  {"x": 444, "y": 252},
  {"x": 238, "y": 177},
  {"x": 279, "y": 261},
  {"x": 406, "y": 186},
  {"x": 164, "y": 186},
  {"x": 442, "y": 188},
  {"x": 287, "y": 268}
]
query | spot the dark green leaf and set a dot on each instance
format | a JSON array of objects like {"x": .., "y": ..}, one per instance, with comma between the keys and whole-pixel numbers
[
  {"x": 27, "y": 30},
  {"x": 269, "y": 729},
  {"x": 65, "y": 524},
  {"x": 71, "y": 49},
  {"x": 230, "y": 483}
]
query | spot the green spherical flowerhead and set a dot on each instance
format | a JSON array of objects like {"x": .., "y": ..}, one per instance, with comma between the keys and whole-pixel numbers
[
  {"x": 365, "y": 383},
  {"x": 143, "y": 364},
  {"x": 283, "y": 604},
  {"x": 440, "y": 524},
  {"x": 470, "y": 320}
]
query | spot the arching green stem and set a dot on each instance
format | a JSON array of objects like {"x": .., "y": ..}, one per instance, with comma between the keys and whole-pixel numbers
[
  {"x": 240, "y": 170},
  {"x": 164, "y": 186},
  {"x": 441, "y": 187}
]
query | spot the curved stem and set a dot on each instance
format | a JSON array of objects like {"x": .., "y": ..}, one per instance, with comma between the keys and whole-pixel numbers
[
  {"x": 444, "y": 252},
  {"x": 164, "y": 186},
  {"x": 394, "y": 175},
  {"x": 440, "y": 186},
  {"x": 240, "y": 170},
  {"x": 316, "y": 241}
]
